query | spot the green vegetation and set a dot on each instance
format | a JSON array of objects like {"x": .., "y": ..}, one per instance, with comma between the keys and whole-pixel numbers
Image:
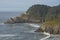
[
  {"x": 49, "y": 16},
  {"x": 38, "y": 13},
  {"x": 43, "y": 12},
  {"x": 55, "y": 21}
]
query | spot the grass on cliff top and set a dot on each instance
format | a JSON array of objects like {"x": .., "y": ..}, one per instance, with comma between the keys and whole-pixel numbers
[{"x": 55, "y": 21}]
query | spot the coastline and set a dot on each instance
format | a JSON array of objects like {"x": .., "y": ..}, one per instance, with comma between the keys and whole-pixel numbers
[
  {"x": 44, "y": 33},
  {"x": 54, "y": 37},
  {"x": 48, "y": 36}
]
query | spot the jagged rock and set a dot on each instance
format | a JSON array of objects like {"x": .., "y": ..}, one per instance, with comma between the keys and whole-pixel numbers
[
  {"x": 10, "y": 21},
  {"x": 15, "y": 20}
]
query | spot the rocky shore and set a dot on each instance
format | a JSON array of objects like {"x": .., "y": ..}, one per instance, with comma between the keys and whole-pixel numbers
[
  {"x": 49, "y": 28},
  {"x": 21, "y": 20},
  {"x": 54, "y": 37},
  {"x": 40, "y": 14}
]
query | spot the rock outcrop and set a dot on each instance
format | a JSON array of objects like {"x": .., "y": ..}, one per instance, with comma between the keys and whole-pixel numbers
[
  {"x": 37, "y": 14},
  {"x": 21, "y": 19},
  {"x": 15, "y": 20},
  {"x": 50, "y": 27}
]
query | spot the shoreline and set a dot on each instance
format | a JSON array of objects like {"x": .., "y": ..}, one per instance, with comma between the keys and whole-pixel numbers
[{"x": 48, "y": 35}]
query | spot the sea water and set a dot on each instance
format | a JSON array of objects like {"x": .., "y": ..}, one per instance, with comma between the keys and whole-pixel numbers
[{"x": 18, "y": 31}]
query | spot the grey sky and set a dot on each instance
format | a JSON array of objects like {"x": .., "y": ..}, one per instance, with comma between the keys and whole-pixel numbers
[{"x": 23, "y": 5}]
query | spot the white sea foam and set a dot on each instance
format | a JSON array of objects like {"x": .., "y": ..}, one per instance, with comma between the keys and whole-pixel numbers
[
  {"x": 34, "y": 25},
  {"x": 2, "y": 24},
  {"x": 7, "y": 35},
  {"x": 48, "y": 35}
]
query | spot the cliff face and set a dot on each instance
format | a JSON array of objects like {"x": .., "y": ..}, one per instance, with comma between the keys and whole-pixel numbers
[
  {"x": 37, "y": 14},
  {"x": 49, "y": 16},
  {"x": 38, "y": 11},
  {"x": 52, "y": 27},
  {"x": 53, "y": 12}
]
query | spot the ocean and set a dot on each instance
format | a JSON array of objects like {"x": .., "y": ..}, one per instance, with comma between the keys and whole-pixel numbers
[
  {"x": 18, "y": 31},
  {"x": 5, "y": 15}
]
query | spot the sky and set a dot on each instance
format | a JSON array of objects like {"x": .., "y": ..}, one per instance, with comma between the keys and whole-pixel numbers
[{"x": 23, "y": 5}]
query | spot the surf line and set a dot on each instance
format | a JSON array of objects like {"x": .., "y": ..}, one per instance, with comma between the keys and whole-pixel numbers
[
  {"x": 34, "y": 25},
  {"x": 48, "y": 35},
  {"x": 7, "y": 35}
]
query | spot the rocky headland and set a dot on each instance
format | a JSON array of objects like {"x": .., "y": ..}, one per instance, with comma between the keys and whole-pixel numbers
[
  {"x": 48, "y": 16},
  {"x": 35, "y": 14},
  {"x": 52, "y": 27}
]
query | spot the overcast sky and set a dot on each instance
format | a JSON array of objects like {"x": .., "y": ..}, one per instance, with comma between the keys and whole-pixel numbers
[{"x": 23, "y": 5}]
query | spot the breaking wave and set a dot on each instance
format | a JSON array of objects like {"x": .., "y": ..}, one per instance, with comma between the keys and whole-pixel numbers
[
  {"x": 34, "y": 25},
  {"x": 2, "y": 24},
  {"x": 48, "y": 36},
  {"x": 7, "y": 35}
]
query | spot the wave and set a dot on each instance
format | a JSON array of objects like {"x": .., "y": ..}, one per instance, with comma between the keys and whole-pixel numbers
[
  {"x": 2, "y": 24},
  {"x": 7, "y": 35},
  {"x": 34, "y": 25},
  {"x": 48, "y": 36}
]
